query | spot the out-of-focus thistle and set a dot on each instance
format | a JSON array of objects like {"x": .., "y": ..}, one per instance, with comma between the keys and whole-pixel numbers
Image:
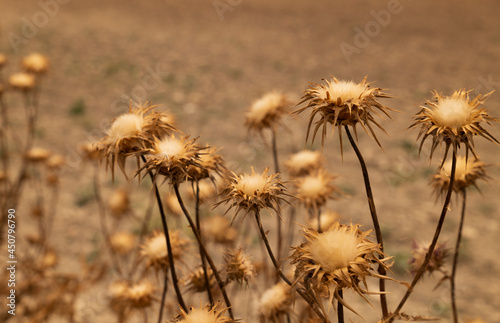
[
  {"x": 35, "y": 63},
  {"x": 419, "y": 252},
  {"x": 304, "y": 163},
  {"x": 154, "y": 249},
  {"x": 343, "y": 103},
  {"x": 266, "y": 112},
  {"x": 340, "y": 258},
  {"x": 275, "y": 302},
  {"x": 454, "y": 120},
  {"x": 238, "y": 266}
]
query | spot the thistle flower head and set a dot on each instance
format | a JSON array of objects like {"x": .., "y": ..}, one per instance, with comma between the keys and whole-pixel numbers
[
  {"x": 122, "y": 242},
  {"x": 204, "y": 314},
  {"x": 206, "y": 191},
  {"x": 140, "y": 295},
  {"x": 344, "y": 103},
  {"x": 218, "y": 229},
  {"x": 55, "y": 162},
  {"x": 340, "y": 258},
  {"x": 172, "y": 204},
  {"x": 454, "y": 120},
  {"x": 37, "y": 154},
  {"x": 266, "y": 112},
  {"x": 275, "y": 302},
  {"x": 238, "y": 266},
  {"x": 35, "y": 63},
  {"x": 119, "y": 203},
  {"x": 467, "y": 173},
  {"x": 327, "y": 218},
  {"x": 419, "y": 251},
  {"x": 304, "y": 163},
  {"x": 154, "y": 249},
  {"x": 315, "y": 189},
  {"x": 210, "y": 165},
  {"x": 195, "y": 281},
  {"x": 253, "y": 191},
  {"x": 172, "y": 156},
  {"x": 22, "y": 81}
]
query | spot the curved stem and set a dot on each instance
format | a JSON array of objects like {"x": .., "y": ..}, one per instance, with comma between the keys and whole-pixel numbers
[
  {"x": 455, "y": 259},
  {"x": 163, "y": 296},
  {"x": 169, "y": 245},
  {"x": 376, "y": 225},
  {"x": 204, "y": 250},
  {"x": 278, "y": 267},
  {"x": 428, "y": 256},
  {"x": 278, "y": 219}
]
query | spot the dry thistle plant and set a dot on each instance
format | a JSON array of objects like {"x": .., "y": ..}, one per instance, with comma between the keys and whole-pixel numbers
[
  {"x": 304, "y": 163},
  {"x": 154, "y": 250},
  {"x": 275, "y": 303},
  {"x": 266, "y": 112},
  {"x": 438, "y": 257},
  {"x": 338, "y": 259},
  {"x": 208, "y": 314},
  {"x": 238, "y": 266},
  {"x": 35, "y": 63}
]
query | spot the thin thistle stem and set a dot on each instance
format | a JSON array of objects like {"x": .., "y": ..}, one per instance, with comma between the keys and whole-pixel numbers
[
  {"x": 163, "y": 297},
  {"x": 340, "y": 309},
  {"x": 428, "y": 256},
  {"x": 204, "y": 250},
  {"x": 376, "y": 225},
  {"x": 278, "y": 219},
  {"x": 278, "y": 267},
  {"x": 455, "y": 259}
]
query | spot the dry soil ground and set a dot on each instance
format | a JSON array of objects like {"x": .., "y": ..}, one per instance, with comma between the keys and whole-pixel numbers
[{"x": 209, "y": 64}]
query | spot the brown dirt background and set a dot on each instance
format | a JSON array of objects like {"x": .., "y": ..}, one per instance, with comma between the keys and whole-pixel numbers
[{"x": 212, "y": 70}]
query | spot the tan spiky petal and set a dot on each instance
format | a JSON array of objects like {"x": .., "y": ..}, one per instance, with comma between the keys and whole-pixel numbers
[
  {"x": 275, "y": 302},
  {"x": 454, "y": 120},
  {"x": 205, "y": 314},
  {"x": 210, "y": 165},
  {"x": 304, "y": 163},
  {"x": 467, "y": 173},
  {"x": 22, "y": 81},
  {"x": 266, "y": 112},
  {"x": 340, "y": 258},
  {"x": 35, "y": 63},
  {"x": 253, "y": 192},
  {"x": 238, "y": 266},
  {"x": 344, "y": 103}
]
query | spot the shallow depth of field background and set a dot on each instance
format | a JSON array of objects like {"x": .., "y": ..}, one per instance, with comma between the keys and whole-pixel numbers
[{"x": 208, "y": 69}]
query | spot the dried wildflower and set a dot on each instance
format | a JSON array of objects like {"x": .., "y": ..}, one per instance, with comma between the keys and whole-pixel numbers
[
  {"x": 419, "y": 251},
  {"x": 467, "y": 172},
  {"x": 337, "y": 259},
  {"x": 172, "y": 204},
  {"x": 204, "y": 314},
  {"x": 122, "y": 242},
  {"x": 304, "y": 163},
  {"x": 238, "y": 266},
  {"x": 55, "y": 162},
  {"x": 118, "y": 296},
  {"x": 344, "y": 103},
  {"x": 90, "y": 151},
  {"x": 218, "y": 229},
  {"x": 454, "y": 120},
  {"x": 266, "y": 112},
  {"x": 207, "y": 191},
  {"x": 3, "y": 60},
  {"x": 253, "y": 192},
  {"x": 154, "y": 249},
  {"x": 159, "y": 124},
  {"x": 119, "y": 203},
  {"x": 36, "y": 154},
  {"x": 210, "y": 165},
  {"x": 327, "y": 218},
  {"x": 35, "y": 63},
  {"x": 275, "y": 302},
  {"x": 314, "y": 190},
  {"x": 172, "y": 156},
  {"x": 195, "y": 281},
  {"x": 140, "y": 295},
  {"x": 22, "y": 81}
]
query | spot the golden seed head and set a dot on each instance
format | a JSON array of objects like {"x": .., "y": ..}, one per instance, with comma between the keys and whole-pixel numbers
[
  {"x": 339, "y": 258},
  {"x": 55, "y": 162},
  {"x": 204, "y": 315},
  {"x": 266, "y": 112},
  {"x": 467, "y": 172},
  {"x": 122, "y": 242},
  {"x": 126, "y": 126},
  {"x": 275, "y": 302},
  {"x": 172, "y": 156},
  {"x": 218, "y": 229},
  {"x": 315, "y": 189},
  {"x": 140, "y": 295},
  {"x": 344, "y": 103},
  {"x": 419, "y": 251},
  {"x": 304, "y": 163},
  {"x": 154, "y": 249},
  {"x": 3, "y": 60},
  {"x": 37, "y": 154},
  {"x": 211, "y": 165},
  {"x": 195, "y": 281},
  {"x": 118, "y": 296},
  {"x": 253, "y": 191},
  {"x": 238, "y": 266},
  {"x": 454, "y": 119},
  {"x": 119, "y": 203},
  {"x": 327, "y": 218},
  {"x": 22, "y": 81},
  {"x": 35, "y": 63},
  {"x": 159, "y": 124}
]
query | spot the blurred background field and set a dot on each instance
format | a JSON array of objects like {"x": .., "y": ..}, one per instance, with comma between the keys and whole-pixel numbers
[{"x": 206, "y": 61}]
